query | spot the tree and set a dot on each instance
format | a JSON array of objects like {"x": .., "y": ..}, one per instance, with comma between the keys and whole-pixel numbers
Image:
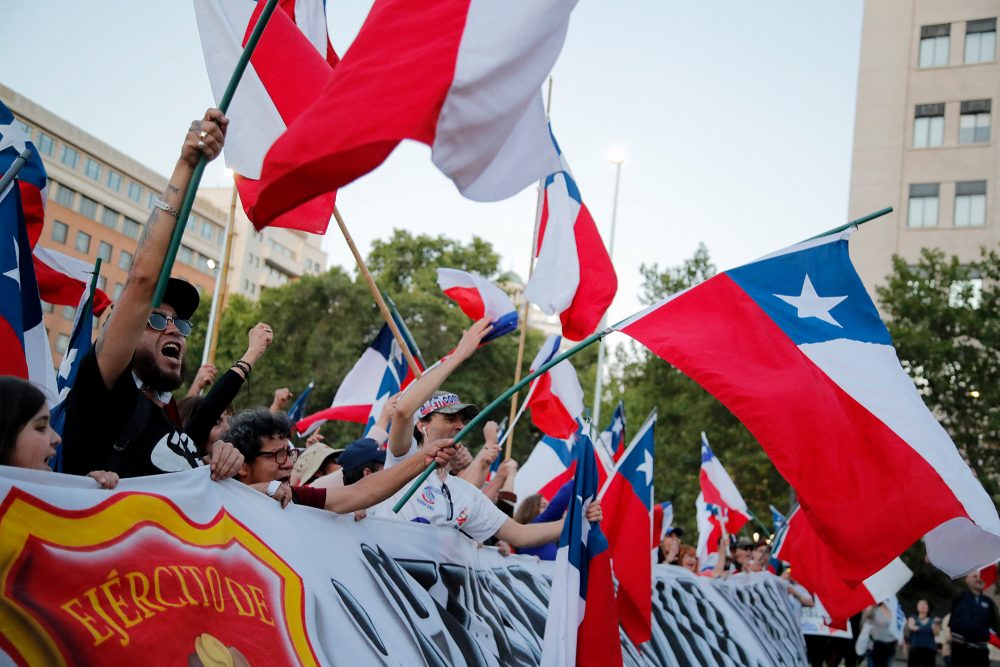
[
  {"x": 685, "y": 410},
  {"x": 942, "y": 314}
]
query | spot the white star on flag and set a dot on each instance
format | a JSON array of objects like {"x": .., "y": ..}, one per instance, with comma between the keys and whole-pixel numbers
[
  {"x": 11, "y": 135},
  {"x": 617, "y": 427},
  {"x": 15, "y": 273},
  {"x": 811, "y": 304},
  {"x": 646, "y": 468}
]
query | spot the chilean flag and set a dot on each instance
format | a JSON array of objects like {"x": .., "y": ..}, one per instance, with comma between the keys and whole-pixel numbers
[
  {"x": 31, "y": 180},
  {"x": 65, "y": 280},
  {"x": 298, "y": 408},
  {"x": 462, "y": 76},
  {"x": 573, "y": 275},
  {"x": 365, "y": 384},
  {"x": 663, "y": 520},
  {"x": 777, "y": 519},
  {"x": 23, "y": 341},
  {"x": 555, "y": 397},
  {"x": 581, "y": 627},
  {"x": 794, "y": 347},
  {"x": 550, "y": 465},
  {"x": 287, "y": 72},
  {"x": 478, "y": 298},
  {"x": 718, "y": 501},
  {"x": 612, "y": 439},
  {"x": 798, "y": 544},
  {"x": 627, "y": 501}
]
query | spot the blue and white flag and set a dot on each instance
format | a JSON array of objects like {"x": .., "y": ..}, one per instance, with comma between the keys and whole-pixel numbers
[
  {"x": 612, "y": 439},
  {"x": 777, "y": 518},
  {"x": 298, "y": 409}
]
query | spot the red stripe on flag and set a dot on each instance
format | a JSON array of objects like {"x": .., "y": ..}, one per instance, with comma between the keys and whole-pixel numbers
[
  {"x": 598, "y": 281},
  {"x": 841, "y": 460},
  {"x": 548, "y": 412},
  {"x": 627, "y": 526},
  {"x": 469, "y": 300},
  {"x": 12, "y": 361}
]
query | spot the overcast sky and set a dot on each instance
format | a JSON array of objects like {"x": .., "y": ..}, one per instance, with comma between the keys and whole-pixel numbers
[{"x": 736, "y": 120}]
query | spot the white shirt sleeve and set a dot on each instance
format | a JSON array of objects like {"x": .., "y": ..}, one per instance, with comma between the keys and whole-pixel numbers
[{"x": 391, "y": 460}]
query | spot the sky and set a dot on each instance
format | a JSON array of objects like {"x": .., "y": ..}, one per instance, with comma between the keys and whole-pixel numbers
[{"x": 735, "y": 119}]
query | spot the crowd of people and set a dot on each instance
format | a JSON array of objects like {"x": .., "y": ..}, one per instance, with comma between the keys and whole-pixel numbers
[{"x": 122, "y": 421}]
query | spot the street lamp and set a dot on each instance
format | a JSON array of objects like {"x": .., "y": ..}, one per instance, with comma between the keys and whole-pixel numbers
[{"x": 616, "y": 156}]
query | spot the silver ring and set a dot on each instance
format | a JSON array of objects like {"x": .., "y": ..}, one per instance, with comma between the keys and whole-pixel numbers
[
  {"x": 201, "y": 144},
  {"x": 202, "y": 134}
]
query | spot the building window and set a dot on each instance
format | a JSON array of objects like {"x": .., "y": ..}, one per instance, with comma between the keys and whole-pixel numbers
[
  {"x": 131, "y": 228},
  {"x": 62, "y": 343},
  {"x": 206, "y": 230},
  {"x": 135, "y": 192},
  {"x": 59, "y": 232},
  {"x": 970, "y": 204},
  {"x": 47, "y": 307},
  {"x": 109, "y": 218},
  {"x": 70, "y": 157},
  {"x": 104, "y": 251},
  {"x": 92, "y": 169},
  {"x": 150, "y": 196},
  {"x": 974, "y": 123},
  {"x": 923, "y": 211},
  {"x": 980, "y": 41},
  {"x": 221, "y": 237},
  {"x": 83, "y": 242},
  {"x": 186, "y": 255},
  {"x": 118, "y": 291},
  {"x": 65, "y": 196},
  {"x": 928, "y": 125},
  {"x": 114, "y": 180},
  {"x": 88, "y": 207},
  {"x": 203, "y": 264},
  {"x": 68, "y": 313},
  {"x": 45, "y": 144},
  {"x": 102, "y": 282},
  {"x": 934, "y": 45},
  {"x": 125, "y": 260}
]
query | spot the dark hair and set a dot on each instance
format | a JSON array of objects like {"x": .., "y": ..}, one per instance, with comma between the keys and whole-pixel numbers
[
  {"x": 356, "y": 474},
  {"x": 248, "y": 427},
  {"x": 529, "y": 509},
  {"x": 19, "y": 402}
]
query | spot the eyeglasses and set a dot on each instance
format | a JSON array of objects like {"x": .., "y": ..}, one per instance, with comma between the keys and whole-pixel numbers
[
  {"x": 159, "y": 322},
  {"x": 282, "y": 455}
]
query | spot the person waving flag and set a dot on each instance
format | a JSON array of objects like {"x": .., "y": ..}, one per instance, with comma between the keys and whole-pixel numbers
[
  {"x": 478, "y": 298},
  {"x": 793, "y": 345},
  {"x": 581, "y": 627},
  {"x": 627, "y": 500},
  {"x": 718, "y": 502}
]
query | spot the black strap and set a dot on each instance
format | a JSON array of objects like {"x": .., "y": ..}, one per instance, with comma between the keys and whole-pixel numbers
[{"x": 136, "y": 424}]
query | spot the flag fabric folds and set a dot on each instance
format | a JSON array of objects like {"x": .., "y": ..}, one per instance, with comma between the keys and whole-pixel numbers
[
  {"x": 365, "y": 385},
  {"x": 718, "y": 501},
  {"x": 298, "y": 408},
  {"x": 462, "y": 76},
  {"x": 287, "y": 71},
  {"x": 777, "y": 519},
  {"x": 550, "y": 465},
  {"x": 663, "y": 520},
  {"x": 798, "y": 544},
  {"x": 794, "y": 347},
  {"x": 556, "y": 398},
  {"x": 25, "y": 345},
  {"x": 32, "y": 180},
  {"x": 627, "y": 501},
  {"x": 573, "y": 276},
  {"x": 612, "y": 439},
  {"x": 65, "y": 280},
  {"x": 581, "y": 627},
  {"x": 478, "y": 298}
]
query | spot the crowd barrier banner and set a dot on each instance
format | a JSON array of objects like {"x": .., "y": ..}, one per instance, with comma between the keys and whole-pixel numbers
[{"x": 178, "y": 570}]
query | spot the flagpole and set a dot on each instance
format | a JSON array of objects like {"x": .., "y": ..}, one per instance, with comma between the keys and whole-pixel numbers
[
  {"x": 517, "y": 417},
  {"x": 618, "y": 463},
  {"x": 221, "y": 285},
  {"x": 582, "y": 345},
  {"x": 403, "y": 329},
  {"x": 14, "y": 168},
  {"x": 599, "y": 380},
  {"x": 188, "y": 202},
  {"x": 854, "y": 223},
  {"x": 377, "y": 295},
  {"x": 526, "y": 306}
]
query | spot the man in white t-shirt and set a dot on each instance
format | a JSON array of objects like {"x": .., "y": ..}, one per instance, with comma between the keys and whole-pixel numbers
[{"x": 444, "y": 499}]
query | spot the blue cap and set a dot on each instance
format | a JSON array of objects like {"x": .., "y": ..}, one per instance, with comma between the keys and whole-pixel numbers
[{"x": 360, "y": 453}]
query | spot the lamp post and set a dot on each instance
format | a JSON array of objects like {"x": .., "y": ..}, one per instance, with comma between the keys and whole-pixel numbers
[
  {"x": 218, "y": 294},
  {"x": 617, "y": 157}
]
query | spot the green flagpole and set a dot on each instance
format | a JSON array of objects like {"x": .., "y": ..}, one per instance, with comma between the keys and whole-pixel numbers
[
  {"x": 186, "y": 206},
  {"x": 475, "y": 421},
  {"x": 407, "y": 336}
]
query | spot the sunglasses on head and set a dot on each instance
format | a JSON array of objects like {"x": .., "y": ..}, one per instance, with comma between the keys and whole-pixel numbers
[{"x": 159, "y": 322}]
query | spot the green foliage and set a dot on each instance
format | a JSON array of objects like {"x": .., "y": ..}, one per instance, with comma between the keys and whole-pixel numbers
[
  {"x": 685, "y": 410},
  {"x": 943, "y": 320}
]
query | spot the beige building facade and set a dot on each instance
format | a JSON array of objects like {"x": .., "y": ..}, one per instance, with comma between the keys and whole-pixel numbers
[{"x": 924, "y": 141}]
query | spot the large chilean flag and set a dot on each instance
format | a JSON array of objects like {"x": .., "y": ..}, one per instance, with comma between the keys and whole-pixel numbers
[
  {"x": 555, "y": 398},
  {"x": 462, "y": 76},
  {"x": 627, "y": 501},
  {"x": 794, "y": 347},
  {"x": 32, "y": 180},
  {"x": 798, "y": 544},
  {"x": 573, "y": 277}
]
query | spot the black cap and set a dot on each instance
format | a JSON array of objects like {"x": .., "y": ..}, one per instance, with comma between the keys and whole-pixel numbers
[
  {"x": 673, "y": 530},
  {"x": 182, "y": 296},
  {"x": 360, "y": 453}
]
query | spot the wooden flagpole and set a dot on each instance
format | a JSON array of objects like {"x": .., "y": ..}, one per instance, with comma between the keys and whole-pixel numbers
[
  {"x": 526, "y": 306},
  {"x": 222, "y": 284},
  {"x": 188, "y": 202},
  {"x": 377, "y": 295}
]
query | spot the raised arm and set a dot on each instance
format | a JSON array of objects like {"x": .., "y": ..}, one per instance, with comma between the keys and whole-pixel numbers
[
  {"x": 534, "y": 534},
  {"x": 376, "y": 487},
  {"x": 401, "y": 431},
  {"x": 477, "y": 471},
  {"x": 121, "y": 335}
]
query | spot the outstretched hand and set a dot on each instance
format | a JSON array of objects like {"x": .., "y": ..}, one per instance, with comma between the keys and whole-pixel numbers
[{"x": 472, "y": 338}]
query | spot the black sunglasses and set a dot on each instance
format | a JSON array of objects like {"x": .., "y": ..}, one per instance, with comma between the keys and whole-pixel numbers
[
  {"x": 159, "y": 322},
  {"x": 282, "y": 455}
]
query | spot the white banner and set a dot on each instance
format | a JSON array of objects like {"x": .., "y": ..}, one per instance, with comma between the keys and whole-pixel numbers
[{"x": 177, "y": 570}]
